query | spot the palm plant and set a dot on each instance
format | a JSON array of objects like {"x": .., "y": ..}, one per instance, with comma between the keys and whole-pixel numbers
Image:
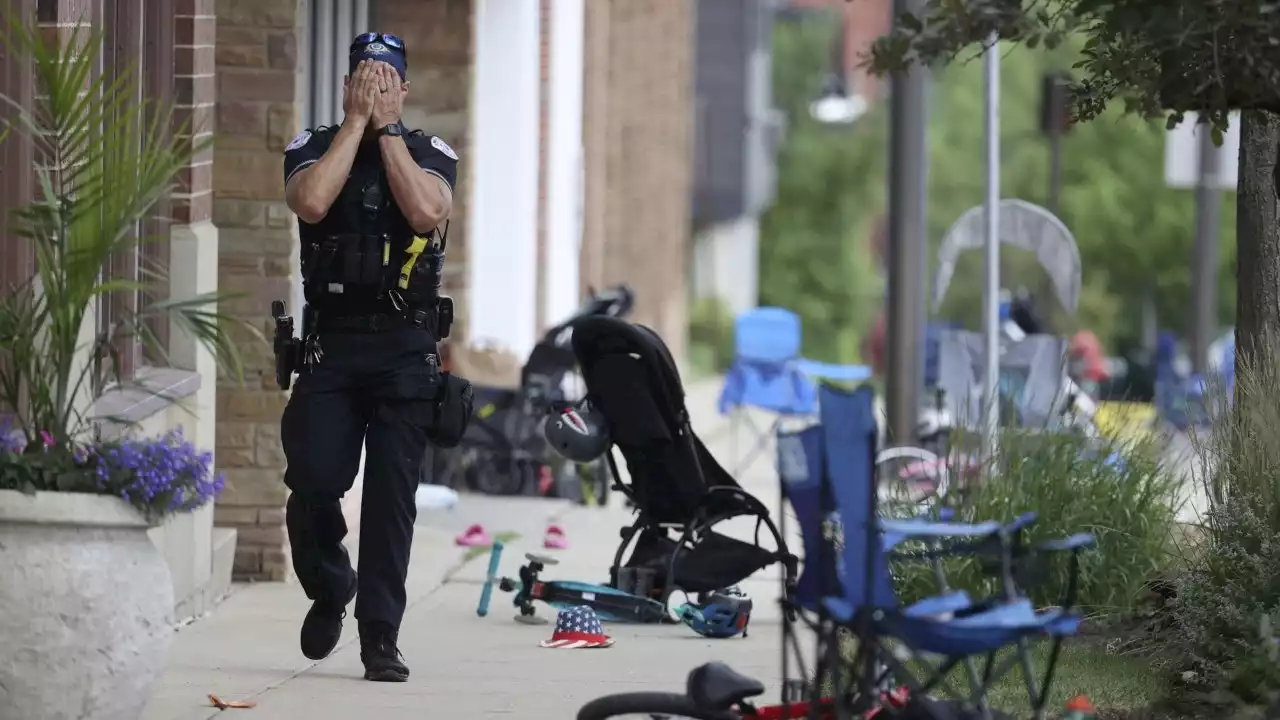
[{"x": 103, "y": 161}]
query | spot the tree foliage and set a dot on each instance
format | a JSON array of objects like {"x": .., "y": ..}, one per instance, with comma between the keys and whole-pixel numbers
[
  {"x": 1209, "y": 56},
  {"x": 1154, "y": 55},
  {"x": 814, "y": 252},
  {"x": 1135, "y": 234}
]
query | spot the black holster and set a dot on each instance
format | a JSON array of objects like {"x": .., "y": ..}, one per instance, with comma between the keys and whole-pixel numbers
[
  {"x": 438, "y": 318},
  {"x": 286, "y": 346}
]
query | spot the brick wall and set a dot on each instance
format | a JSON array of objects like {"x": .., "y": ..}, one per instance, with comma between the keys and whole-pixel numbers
[
  {"x": 638, "y": 133},
  {"x": 437, "y": 34},
  {"x": 194, "y": 29},
  {"x": 257, "y": 115}
]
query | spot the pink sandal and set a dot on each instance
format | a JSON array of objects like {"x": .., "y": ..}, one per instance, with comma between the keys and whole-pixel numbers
[
  {"x": 555, "y": 539},
  {"x": 474, "y": 536}
]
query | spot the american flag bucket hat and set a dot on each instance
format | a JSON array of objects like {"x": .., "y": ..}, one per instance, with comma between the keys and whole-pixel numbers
[{"x": 577, "y": 627}]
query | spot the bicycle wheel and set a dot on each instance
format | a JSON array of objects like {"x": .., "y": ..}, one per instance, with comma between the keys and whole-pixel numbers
[
  {"x": 494, "y": 474},
  {"x": 909, "y": 480},
  {"x": 654, "y": 705}
]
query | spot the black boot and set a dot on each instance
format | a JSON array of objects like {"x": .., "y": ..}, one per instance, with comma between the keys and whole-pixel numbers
[
  {"x": 322, "y": 627},
  {"x": 382, "y": 660}
]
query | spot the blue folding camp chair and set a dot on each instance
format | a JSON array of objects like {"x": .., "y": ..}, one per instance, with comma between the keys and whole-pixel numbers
[
  {"x": 769, "y": 374},
  {"x": 827, "y": 478}
]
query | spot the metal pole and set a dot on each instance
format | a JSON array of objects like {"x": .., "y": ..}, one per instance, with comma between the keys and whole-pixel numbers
[
  {"x": 1056, "y": 102},
  {"x": 1055, "y": 167},
  {"x": 991, "y": 289},
  {"x": 1204, "y": 266},
  {"x": 908, "y": 172}
]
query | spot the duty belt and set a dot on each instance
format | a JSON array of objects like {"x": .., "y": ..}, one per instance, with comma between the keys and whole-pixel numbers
[{"x": 436, "y": 319}]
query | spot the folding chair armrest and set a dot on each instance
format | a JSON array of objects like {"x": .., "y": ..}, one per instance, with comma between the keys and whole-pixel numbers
[
  {"x": 945, "y": 515},
  {"x": 919, "y": 529},
  {"x": 1020, "y": 523},
  {"x": 1079, "y": 541}
]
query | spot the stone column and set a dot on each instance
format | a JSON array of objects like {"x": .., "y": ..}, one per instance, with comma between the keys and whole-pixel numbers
[
  {"x": 257, "y": 43},
  {"x": 638, "y": 160}
]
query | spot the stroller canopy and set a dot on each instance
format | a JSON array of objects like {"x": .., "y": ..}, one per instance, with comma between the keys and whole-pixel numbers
[{"x": 1022, "y": 225}]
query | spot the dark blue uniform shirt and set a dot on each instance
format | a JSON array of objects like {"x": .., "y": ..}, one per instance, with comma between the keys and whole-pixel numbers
[{"x": 432, "y": 154}]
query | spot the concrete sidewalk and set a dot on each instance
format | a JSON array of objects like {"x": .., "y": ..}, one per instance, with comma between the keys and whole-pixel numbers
[{"x": 463, "y": 665}]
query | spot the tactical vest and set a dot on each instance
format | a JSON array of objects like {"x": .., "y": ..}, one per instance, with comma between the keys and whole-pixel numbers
[{"x": 374, "y": 251}]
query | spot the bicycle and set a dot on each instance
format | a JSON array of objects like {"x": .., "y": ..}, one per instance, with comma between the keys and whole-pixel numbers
[{"x": 715, "y": 691}]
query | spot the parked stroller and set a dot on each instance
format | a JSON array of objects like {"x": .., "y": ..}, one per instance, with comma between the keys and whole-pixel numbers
[
  {"x": 503, "y": 452},
  {"x": 679, "y": 490}
]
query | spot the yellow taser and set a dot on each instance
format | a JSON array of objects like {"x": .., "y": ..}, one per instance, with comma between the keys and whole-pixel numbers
[{"x": 416, "y": 246}]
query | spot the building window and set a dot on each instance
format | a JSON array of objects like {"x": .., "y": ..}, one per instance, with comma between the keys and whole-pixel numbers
[
  {"x": 16, "y": 264},
  {"x": 139, "y": 40},
  {"x": 331, "y": 26},
  {"x": 157, "y": 80}
]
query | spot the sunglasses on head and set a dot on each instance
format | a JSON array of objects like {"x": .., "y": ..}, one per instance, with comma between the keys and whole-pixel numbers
[{"x": 387, "y": 39}]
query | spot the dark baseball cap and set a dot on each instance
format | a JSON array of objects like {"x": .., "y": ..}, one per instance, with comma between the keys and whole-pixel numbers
[{"x": 379, "y": 47}]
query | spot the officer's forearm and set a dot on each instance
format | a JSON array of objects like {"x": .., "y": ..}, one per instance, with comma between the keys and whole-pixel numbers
[
  {"x": 420, "y": 195},
  {"x": 316, "y": 188}
]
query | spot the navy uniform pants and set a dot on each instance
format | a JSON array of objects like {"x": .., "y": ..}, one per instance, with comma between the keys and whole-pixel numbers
[{"x": 370, "y": 390}]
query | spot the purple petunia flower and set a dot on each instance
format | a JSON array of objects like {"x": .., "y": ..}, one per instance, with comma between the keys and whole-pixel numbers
[{"x": 161, "y": 475}]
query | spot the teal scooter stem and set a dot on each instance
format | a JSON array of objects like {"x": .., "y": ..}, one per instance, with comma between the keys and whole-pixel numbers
[{"x": 486, "y": 592}]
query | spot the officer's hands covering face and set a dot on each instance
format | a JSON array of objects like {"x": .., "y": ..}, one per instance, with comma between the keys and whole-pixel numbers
[
  {"x": 360, "y": 91},
  {"x": 389, "y": 103}
]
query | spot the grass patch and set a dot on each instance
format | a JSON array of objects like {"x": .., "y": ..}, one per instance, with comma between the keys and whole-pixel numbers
[
  {"x": 1112, "y": 682},
  {"x": 504, "y": 537}
]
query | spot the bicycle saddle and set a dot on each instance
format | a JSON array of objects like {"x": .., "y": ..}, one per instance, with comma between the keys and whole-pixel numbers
[{"x": 716, "y": 686}]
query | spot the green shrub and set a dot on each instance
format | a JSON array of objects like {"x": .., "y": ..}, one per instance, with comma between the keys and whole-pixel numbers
[
  {"x": 1232, "y": 581},
  {"x": 711, "y": 334},
  {"x": 1067, "y": 481}
]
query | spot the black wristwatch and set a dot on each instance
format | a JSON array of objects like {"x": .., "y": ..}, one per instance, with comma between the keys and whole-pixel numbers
[{"x": 394, "y": 129}]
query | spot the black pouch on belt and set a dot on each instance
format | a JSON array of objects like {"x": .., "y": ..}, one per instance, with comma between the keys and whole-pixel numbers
[
  {"x": 454, "y": 406},
  {"x": 362, "y": 259}
]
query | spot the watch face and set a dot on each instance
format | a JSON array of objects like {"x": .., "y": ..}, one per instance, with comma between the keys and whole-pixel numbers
[{"x": 394, "y": 129}]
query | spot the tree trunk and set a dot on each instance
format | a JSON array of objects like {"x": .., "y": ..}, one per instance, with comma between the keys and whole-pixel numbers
[{"x": 1257, "y": 240}]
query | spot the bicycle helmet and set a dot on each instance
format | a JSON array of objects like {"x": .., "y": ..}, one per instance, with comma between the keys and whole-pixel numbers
[
  {"x": 718, "y": 614},
  {"x": 578, "y": 433}
]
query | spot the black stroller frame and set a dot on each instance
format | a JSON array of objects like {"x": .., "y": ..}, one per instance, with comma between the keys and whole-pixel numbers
[
  {"x": 510, "y": 446},
  {"x": 655, "y": 453}
]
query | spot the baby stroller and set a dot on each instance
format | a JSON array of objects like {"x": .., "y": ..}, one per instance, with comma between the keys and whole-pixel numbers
[
  {"x": 678, "y": 488},
  {"x": 503, "y": 452}
]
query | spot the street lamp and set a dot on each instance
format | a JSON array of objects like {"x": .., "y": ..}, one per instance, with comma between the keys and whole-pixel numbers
[{"x": 835, "y": 105}]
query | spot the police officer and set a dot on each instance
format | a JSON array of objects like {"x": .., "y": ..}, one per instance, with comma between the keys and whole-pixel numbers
[{"x": 372, "y": 199}]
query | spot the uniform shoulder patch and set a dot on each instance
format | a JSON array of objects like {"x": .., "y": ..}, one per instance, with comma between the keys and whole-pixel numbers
[
  {"x": 443, "y": 147},
  {"x": 302, "y": 139}
]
